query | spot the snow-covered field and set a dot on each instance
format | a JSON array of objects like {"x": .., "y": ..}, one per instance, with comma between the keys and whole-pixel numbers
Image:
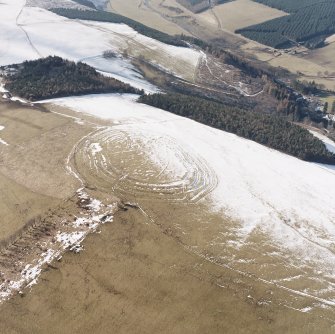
[
  {"x": 289, "y": 199},
  {"x": 30, "y": 32},
  {"x": 15, "y": 46}
]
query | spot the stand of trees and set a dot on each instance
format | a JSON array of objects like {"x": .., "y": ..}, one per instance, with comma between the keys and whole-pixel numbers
[
  {"x": 270, "y": 130},
  {"x": 290, "y": 6},
  {"x": 307, "y": 87},
  {"x": 310, "y": 22},
  {"x": 102, "y": 16},
  {"x": 55, "y": 77}
]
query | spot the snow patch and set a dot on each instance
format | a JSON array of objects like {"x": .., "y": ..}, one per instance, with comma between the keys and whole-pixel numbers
[
  {"x": 95, "y": 148},
  {"x": 3, "y": 89},
  {"x": 3, "y": 142}
]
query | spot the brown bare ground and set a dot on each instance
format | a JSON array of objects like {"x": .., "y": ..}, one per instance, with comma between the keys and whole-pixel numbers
[
  {"x": 137, "y": 277},
  {"x": 32, "y": 174}
]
